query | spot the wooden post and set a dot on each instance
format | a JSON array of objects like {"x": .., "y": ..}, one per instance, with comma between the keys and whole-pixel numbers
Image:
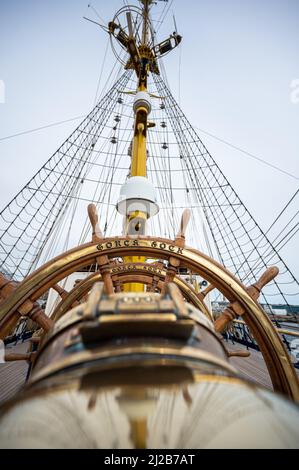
[
  {"x": 235, "y": 309},
  {"x": 174, "y": 263},
  {"x": 60, "y": 291},
  {"x": 104, "y": 267},
  {"x": 94, "y": 220},
  {"x": 28, "y": 309}
]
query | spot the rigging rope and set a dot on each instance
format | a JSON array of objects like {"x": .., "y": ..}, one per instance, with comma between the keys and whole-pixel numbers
[
  {"x": 227, "y": 226},
  {"x": 283, "y": 210},
  {"x": 30, "y": 131},
  {"x": 49, "y": 214},
  {"x": 248, "y": 154}
]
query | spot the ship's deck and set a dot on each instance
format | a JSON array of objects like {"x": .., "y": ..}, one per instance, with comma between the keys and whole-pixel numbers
[
  {"x": 13, "y": 374},
  {"x": 252, "y": 368}
]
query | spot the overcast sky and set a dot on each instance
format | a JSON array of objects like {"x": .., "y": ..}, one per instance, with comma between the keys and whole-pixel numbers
[{"x": 238, "y": 60}]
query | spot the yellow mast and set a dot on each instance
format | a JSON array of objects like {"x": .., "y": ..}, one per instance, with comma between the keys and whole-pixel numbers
[
  {"x": 139, "y": 149},
  {"x": 138, "y": 166},
  {"x": 137, "y": 200}
]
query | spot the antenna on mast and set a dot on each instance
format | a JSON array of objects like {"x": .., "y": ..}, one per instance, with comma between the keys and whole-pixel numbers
[
  {"x": 175, "y": 25},
  {"x": 95, "y": 22},
  {"x": 131, "y": 30}
]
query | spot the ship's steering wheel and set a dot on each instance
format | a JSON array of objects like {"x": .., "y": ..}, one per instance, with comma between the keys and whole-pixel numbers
[{"x": 281, "y": 371}]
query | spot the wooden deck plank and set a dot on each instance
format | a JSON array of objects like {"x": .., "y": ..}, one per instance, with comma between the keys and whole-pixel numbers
[
  {"x": 253, "y": 367},
  {"x": 13, "y": 374}
]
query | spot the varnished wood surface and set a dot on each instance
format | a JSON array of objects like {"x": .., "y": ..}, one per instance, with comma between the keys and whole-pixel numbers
[
  {"x": 252, "y": 368},
  {"x": 13, "y": 374}
]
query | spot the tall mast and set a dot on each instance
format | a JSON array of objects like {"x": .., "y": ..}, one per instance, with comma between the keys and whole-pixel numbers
[
  {"x": 142, "y": 109},
  {"x": 142, "y": 105},
  {"x": 146, "y": 4},
  {"x": 138, "y": 199}
]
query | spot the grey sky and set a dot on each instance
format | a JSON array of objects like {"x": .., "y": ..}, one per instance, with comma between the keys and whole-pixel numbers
[{"x": 238, "y": 60}]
